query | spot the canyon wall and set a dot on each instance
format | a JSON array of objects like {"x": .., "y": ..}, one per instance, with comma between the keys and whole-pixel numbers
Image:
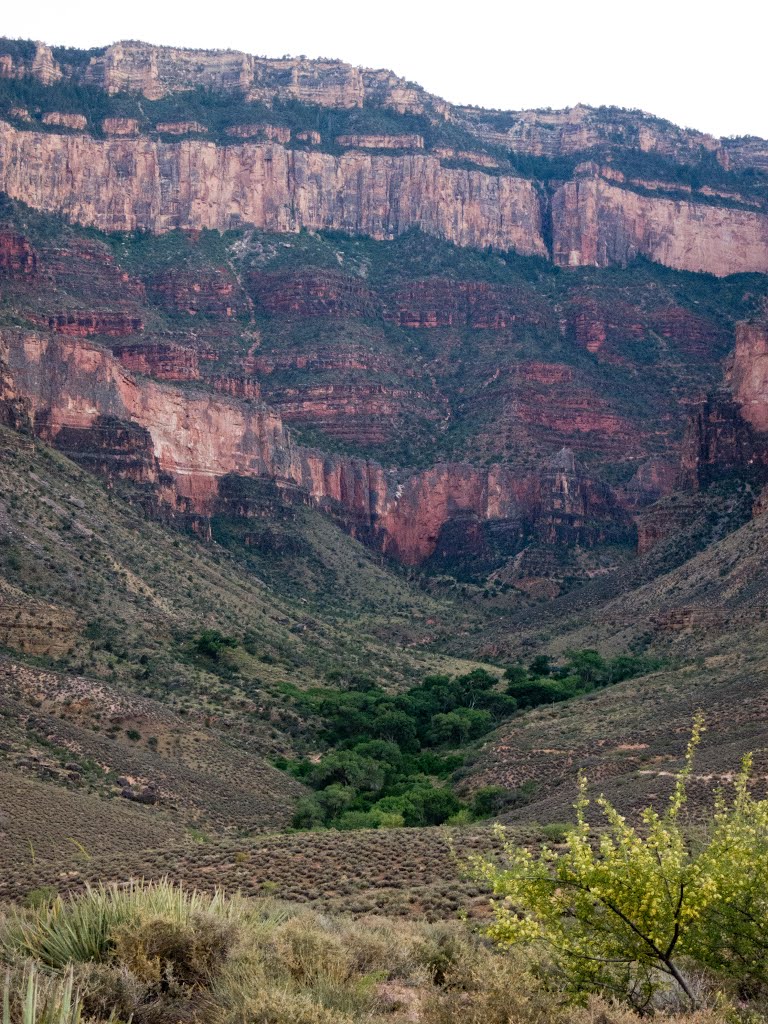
[
  {"x": 184, "y": 442},
  {"x": 748, "y": 373},
  {"x": 598, "y": 223},
  {"x": 159, "y": 71},
  {"x": 146, "y": 185},
  {"x": 727, "y": 435}
]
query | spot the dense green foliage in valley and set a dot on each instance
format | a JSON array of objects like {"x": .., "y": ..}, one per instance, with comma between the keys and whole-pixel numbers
[{"x": 391, "y": 757}]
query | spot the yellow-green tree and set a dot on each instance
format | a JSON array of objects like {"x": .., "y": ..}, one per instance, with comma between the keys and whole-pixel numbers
[{"x": 620, "y": 912}]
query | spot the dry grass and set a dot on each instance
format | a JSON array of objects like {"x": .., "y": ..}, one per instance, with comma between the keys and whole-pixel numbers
[{"x": 161, "y": 954}]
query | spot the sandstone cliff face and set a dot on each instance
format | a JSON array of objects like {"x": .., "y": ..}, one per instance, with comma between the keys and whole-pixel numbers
[
  {"x": 597, "y": 223},
  {"x": 157, "y": 71},
  {"x": 557, "y": 133},
  {"x": 749, "y": 373},
  {"x": 407, "y": 141},
  {"x": 85, "y": 324},
  {"x": 146, "y": 185},
  {"x": 184, "y": 442},
  {"x": 163, "y": 361},
  {"x": 600, "y": 218}
]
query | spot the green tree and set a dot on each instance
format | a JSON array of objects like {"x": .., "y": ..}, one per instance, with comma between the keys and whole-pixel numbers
[
  {"x": 211, "y": 643},
  {"x": 459, "y": 726},
  {"x": 620, "y": 913}
]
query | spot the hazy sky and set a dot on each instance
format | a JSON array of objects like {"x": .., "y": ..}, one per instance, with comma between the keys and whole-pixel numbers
[{"x": 698, "y": 65}]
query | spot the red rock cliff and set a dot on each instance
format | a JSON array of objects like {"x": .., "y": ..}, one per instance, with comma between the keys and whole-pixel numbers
[
  {"x": 749, "y": 373},
  {"x": 81, "y": 396}
]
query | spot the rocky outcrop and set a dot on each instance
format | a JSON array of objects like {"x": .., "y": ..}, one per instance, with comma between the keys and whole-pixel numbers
[
  {"x": 405, "y": 141},
  {"x": 77, "y": 122},
  {"x": 157, "y": 71},
  {"x": 120, "y": 126},
  {"x": 664, "y": 521},
  {"x": 748, "y": 375},
  {"x": 161, "y": 360},
  {"x": 111, "y": 448},
  {"x": 720, "y": 443},
  {"x": 87, "y": 268},
  {"x": 360, "y": 413},
  {"x": 437, "y": 302},
  {"x": 653, "y": 480},
  {"x": 17, "y": 257},
  {"x": 313, "y": 294},
  {"x": 558, "y": 133},
  {"x": 85, "y": 325},
  {"x": 269, "y": 132},
  {"x": 727, "y": 433},
  {"x": 575, "y": 508},
  {"x": 123, "y": 185},
  {"x": 181, "y": 128},
  {"x": 237, "y": 387},
  {"x": 598, "y": 223},
  {"x": 214, "y": 294}
]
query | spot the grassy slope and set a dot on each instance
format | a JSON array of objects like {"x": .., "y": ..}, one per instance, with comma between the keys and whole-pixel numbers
[{"x": 137, "y": 593}]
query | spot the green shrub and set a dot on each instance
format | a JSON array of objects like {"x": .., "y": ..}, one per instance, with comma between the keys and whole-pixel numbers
[{"x": 624, "y": 914}]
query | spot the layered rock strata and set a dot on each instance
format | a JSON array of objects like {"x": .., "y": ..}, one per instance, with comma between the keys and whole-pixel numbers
[{"x": 184, "y": 442}]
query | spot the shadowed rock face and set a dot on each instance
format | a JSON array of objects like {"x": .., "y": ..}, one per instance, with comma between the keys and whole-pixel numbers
[
  {"x": 17, "y": 256},
  {"x": 727, "y": 435},
  {"x": 749, "y": 373},
  {"x": 184, "y": 443}
]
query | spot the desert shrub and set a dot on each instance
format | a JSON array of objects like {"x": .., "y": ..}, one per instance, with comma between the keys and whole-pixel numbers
[
  {"x": 211, "y": 642},
  {"x": 556, "y": 831},
  {"x": 43, "y": 896},
  {"x": 165, "y": 954},
  {"x": 481, "y": 989},
  {"x": 625, "y": 914}
]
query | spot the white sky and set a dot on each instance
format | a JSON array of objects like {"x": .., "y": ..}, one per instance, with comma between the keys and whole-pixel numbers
[{"x": 700, "y": 65}]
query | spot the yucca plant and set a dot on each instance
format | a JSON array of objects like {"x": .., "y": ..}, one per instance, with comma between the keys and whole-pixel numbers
[
  {"x": 44, "y": 1001},
  {"x": 82, "y": 929}
]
